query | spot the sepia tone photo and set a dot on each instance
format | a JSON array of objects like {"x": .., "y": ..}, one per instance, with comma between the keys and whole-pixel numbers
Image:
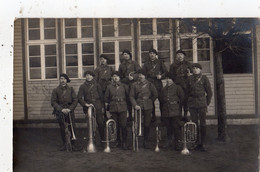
[{"x": 136, "y": 94}]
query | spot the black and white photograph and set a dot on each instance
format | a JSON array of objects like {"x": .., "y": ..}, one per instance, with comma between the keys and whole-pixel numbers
[{"x": 134, "y": 93}]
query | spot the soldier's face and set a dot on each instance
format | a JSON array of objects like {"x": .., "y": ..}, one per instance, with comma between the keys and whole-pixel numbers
[
  {"x": 103, "y": 61},
  {"x": 152, "y": 55},
  {"x": 169, "y": 81},
  {"x": 63, "y": 81},
  {"x": 180, "y": 57},
  {"x": 126, "y": 56},
  {"x": 116, "y": 78},
  {"x": 89, "y": 77},
  {"x": 141, "y": 77},
  {"x": 196, "y": 70}
]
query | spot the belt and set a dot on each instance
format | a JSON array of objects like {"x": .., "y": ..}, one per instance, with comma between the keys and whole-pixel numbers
[
  {"x": 144, "y": 98},
  {"x": 118, "y": 99}
]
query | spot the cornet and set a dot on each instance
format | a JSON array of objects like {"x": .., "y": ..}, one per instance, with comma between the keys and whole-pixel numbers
[
  {"x": 91, "y": 116},
  {"x": 111, "y": 133},
  {"x": 137, "y": 128},
  {"x": 189, "y": 137}
]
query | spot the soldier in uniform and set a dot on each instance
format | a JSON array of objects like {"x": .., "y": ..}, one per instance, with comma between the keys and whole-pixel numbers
[
  {"x": 142, "y": 96},
  {"x": 180, "y": 70},
  {"x": 103, "y": 72},
  {"x": 172, "y": 98},
  {"x": 64, "y": 101},
  {"x": 155, "y": 70},
  {"x": 90, "y": 92},
  {"x": 115, "y": 98},
  {"x": 128, "y": 70},
  {"x": 199, "y": 97}
]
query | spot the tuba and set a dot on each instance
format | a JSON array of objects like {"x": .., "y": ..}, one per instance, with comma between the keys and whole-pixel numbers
[
  {"x": 91, "y": 116},
  {"x": 137, "y": 128},
  {"x": 111, "y": 133},
  {"x": 189, "y": 137},
  {"x": 158, "y": 138}
]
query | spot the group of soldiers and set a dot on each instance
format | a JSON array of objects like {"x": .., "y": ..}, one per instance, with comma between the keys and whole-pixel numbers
[{"x": 136, "y": 87}]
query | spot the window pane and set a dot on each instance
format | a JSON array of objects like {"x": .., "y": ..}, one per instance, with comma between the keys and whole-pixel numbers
[
  {"x": 34, "y": 34},
  {"x": 50, "y": 49},
  {"x": 87, "y": 68},
  {"x": 203, "y": 55},
  {"x": 34, "y": 50},
  {"x": 164, "y": 50},
  {"x": 203, "y": 42},
  {"x": 72, "y": 72},
  {"x": 108, "y": 47},
  {"x": 71, "y": 60},
  {"x": 87, "y": 32},
  {"x": 51, "y": 73},
  {"x": 186, "y": 26},
  {"x": 107, "y": 22},
  {"x": 205, "y": 67},
  {"x": 111, "y": 58},
  {"x": 71, "y": 33},
  {"x": 162, "y": 26},
  {"x": 146, "y": 27},
  {"x": 108, "y": 31},
  {"x": 34, "y": 23},
  {"x": 70, "y": 22},
  {"x": 86, "y": 22},
  {"x": 124, "y": 27},
  {"x": 49, "y": 33},
  {"x": 35, "y": 62},
  {"x": 145, "y": 47},
  {"x": 87, "y": 48},
  {"x": 126, "y": 45},
  {"x": 165, "y": 56},
  {"x": 49, "y": 23},
  {"x": 71, "y": 49},
  {"x": 163, "y": 45},
  {"x": 50, "y": 61},
  {"x": 35, "y": 73},
  {"x": 186, "y": 43},
  {"x": 202, "y": 25},
  {"x": 87, "y": 60},
  {"x": 145, "y": 56}
]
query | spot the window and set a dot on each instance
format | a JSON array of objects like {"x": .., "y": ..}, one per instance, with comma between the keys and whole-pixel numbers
[
  {"x": 157, "y": 34},
  {"x": 42, "y": 48},
  {"x": 116, "y": 36},
  {"x": 195, "y": 43}
]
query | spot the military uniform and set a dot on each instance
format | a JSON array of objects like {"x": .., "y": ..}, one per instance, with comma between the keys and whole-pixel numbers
[
  {"x": 116, "y": 95},
  {"x": 103, "y": 76},
  {"x": 90, "y": 92},
  {"x": 172, "y": 97},
  {"x": 125, "y": 68},
  {"x": 144, "y": 94},
  {"x": 64, "y": 97},
  {"x": 179, "y": 73},
  {"x": 152, "y": 69},
  {"x": 199, "y": 97}
]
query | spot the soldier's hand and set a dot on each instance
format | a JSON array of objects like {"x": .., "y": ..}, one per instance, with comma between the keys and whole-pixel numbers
[
  {"x": 108, "y": 115},
  {"x": 159, "y": 76},
  {"x": 130, "y": 78},
  {"x": 88, "y": 105},
  {"x": 64, "y": 111},
  {"x": 137, "y": 107}
]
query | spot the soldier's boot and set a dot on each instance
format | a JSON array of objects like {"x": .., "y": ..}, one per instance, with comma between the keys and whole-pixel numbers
[
  {"x": 101, "y": 135},
  {"x": 146, "y": 138},
  {"x": 118, "y": 143},
  {"x": 202, "y": 141},
  {"x": 124, "y": 137}
]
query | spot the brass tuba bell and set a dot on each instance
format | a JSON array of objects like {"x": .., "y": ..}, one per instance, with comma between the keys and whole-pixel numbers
[
  {"x": 111, "y": 133},
  {"x": 189, "y": 137},
  {"x": 91, "y": 117}
]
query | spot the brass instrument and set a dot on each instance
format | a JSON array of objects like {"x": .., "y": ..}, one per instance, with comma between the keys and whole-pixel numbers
[
  {"x": 67, "y": 134},
  {"x": 111, "y": 133},
  {"x": 72, "y": 130},
  {"x": 91, "y": 116},
  {"x": 137, "y": 128},
  {"x": 189, "y": 137},
  {"x": 158, "y": 138}
]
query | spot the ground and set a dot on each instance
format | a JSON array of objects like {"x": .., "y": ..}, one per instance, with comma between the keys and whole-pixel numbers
[{"x": 36, "y": 150}]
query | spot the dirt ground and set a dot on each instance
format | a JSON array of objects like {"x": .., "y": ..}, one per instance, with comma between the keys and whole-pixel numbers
[{"x": 36, "y": 150}]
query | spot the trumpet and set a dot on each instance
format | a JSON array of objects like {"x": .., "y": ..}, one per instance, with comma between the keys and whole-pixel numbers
[
  {"x": 137, "y": 128},
  {"x": 111, "y": 133},
  {"x": 91, "y": 116},
  {"x": 189, "y": 137},
  {"x": 158, "y": 138},
  {"x": 72, "y": 130}
]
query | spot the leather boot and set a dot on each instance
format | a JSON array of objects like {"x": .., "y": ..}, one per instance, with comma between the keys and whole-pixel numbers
[{"x": 124, "y": 137}]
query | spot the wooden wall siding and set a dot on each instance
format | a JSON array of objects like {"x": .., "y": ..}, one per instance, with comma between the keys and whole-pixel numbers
[
  {"x": 18, "y": 97},
  {"x": 258, "y": 62},
  {"x": 240, "y": 94}
]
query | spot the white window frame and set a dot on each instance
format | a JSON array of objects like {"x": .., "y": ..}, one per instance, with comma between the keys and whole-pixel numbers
[
  {"x": 116, "y": 39},
  {"x": 194, "y": 36},
  {"x": 155, "y": 37},
  {"x": 79, "y": 41},
  {"x": 41, "y": 42}
]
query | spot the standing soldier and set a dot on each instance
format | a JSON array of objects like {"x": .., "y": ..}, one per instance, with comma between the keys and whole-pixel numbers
[
  {"x": 90, "y": 92},
  {"x": 64, "y": 101},
  {"x": 115, "y": 98},
  {"x": 103, "y": 72},
  {"x": 180, "y": 70},
  {"x": 142, "y": 96},
  {"x": 172, "y": 97},
  {"x": 199, "y": 97},
  {"x": 155, "y": 70},
  {"x": 128, "y": 70}
]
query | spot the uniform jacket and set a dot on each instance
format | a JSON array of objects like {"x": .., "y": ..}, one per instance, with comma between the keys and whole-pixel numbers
[
  {"x": 172, "y": 98},
  {"x": 143, "y": 94},
  {"x": 63, "y": 97},
  {"x": 116, "y": 95},
  {"x": 127, "y": 67},
  {"x": 179, "y": 72},
  {"x": 91, "y": 93},
  {"x": 152, "y": 69},
  {"x": 199, "y": 91},
  {"x": 103, "y": 75}
]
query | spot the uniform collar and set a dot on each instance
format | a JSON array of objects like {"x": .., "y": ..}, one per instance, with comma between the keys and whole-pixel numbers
[
  {"x": 143, "y": 82},
  {"x": 65, "y": 87},
  {"x": 89, "y": 82},
  {"x": 117, "y": 83}
]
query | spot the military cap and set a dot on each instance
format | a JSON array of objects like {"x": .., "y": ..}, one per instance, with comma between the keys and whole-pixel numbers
[
  {"x": 104, "y": 56},
  {"x": 127, "y": 52},
  {"x": 154, "y": 51},
  {"x": 65, "y": 76},
  {"x": 89, "y": 72},
  {"x": 117, "y": 73},
  {"x": 197, "y": 65},
  {"x": 180, "y": 51}
]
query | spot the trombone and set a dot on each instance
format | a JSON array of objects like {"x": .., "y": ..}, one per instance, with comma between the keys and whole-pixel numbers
[
  {"x": 137, "y": 128},
  {"x": 72, "y": 130},
  {"x": 91, "y": 116},
  {"x": 111, "y": 133}
]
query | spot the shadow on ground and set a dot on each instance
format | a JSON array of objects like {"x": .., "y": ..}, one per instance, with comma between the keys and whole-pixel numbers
[{"x": 36, "y": 150}]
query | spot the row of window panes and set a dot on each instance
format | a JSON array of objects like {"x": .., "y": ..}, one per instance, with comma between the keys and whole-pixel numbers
[{"x": 49, "y": 26}]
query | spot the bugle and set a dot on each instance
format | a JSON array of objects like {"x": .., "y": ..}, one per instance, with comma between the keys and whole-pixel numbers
[
  {"x": 158, "y": 138},
  {"x": 137, "y": 128},
  {"x": 111, "y": 133},
  {"x": 189, "y": 137},
  {"x": 91, "y": 116},
  {"x": 71, "y": 126}
]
